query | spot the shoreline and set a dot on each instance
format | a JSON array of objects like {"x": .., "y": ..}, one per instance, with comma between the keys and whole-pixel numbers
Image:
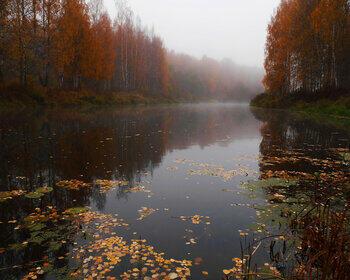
[
  {"x": 68, "y": 99},
  {"x": 336, "y": 108},
  {"x": 32, "y": 99}
]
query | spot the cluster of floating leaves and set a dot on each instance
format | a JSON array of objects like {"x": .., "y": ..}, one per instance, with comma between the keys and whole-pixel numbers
[
  {"x": 215, "y": 171},
  {"x": 144, "y": 212},
  {"x": 138, "y": 188},
  {"x": 334, "y": 167},
  {"x": 37, "y": 193},
  {"x": 102, "y": 256},
  {"x": 73, "y": 184},
  {"x": 34, "y": 274},
  {"x": 106, "y": 254},
  {"x": 344, "y": 153},
  {"x": 107, "y": 185},
  {"x": 98, "y": 223},
  {"x": 241, "y": 270},
  {"x": 172, "y": 168},
  {"x": 7, "y": 195},
  {"x": 190, "y": 238},
  {"x": 286, "y": 198},
  {"x": 196, "y": 219},
  {"x": 206, "y": 169},
  {"x": 52, "y": 230},
  {"x": 236, "y": 270},
  {"x": 104, "y": 186}
]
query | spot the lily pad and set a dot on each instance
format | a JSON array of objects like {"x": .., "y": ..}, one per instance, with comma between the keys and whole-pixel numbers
[
  {"x": 345, "y": 156},
  {"x": 39, "y": 192},
  {"x": 76, "y": 210},
  {"x": 271, "y": 182}
]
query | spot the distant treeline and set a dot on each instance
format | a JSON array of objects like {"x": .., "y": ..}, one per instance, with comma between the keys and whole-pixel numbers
[
  {"x": 73, "y": 45},
  {"x": 211, "y": 79},
  {"x": 308, "y": 48}
]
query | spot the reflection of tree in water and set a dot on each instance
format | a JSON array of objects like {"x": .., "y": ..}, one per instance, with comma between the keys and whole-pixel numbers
[
  {"x": 312, "y": 211},
  {"x": 43, "y": 148},
  {"x": 285, "y": 134},
  {"x": 70, "y": 145}
]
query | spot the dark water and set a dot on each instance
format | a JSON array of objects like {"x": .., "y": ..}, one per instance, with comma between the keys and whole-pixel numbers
[{"x": 156, "y": 147}]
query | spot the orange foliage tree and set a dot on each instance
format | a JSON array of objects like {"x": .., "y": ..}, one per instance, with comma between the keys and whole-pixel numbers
[
  {"x": 307, "y": 48},
  {"x": 73, "y": 45}
]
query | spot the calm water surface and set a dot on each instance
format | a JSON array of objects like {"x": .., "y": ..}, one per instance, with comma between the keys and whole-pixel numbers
[{"x": 166, "y": 149}]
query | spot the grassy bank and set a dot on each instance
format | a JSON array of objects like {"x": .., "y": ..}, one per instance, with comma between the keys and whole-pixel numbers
[
  {"x": 18, "y": 97},
  {"x": 336, "y": 106}
]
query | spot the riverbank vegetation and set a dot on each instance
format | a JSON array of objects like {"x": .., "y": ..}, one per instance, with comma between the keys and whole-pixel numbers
[
  {"x": 18, "y": 97},
  {"x": 307, "y": 57},
  {"x": 303, "y": 223},
  {"x": 337, "y": 105},
  {"x": 71, "y": 52}
]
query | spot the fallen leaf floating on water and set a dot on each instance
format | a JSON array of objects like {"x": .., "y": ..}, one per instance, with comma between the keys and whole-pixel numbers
[
  {"x": 216, "y": 170},
  {"x": 278, "y": 197},
  {"x": 198, "y": 261},
  {"x": 73, "y": 221},
  {"x": 72, "y": 184},
  {"x": 239, "y": 269},
  {"x": 138, "y": 189},
  {"x": 220, "y": 172},
  {"x": 173, "y": 275},
  {"x": 101, "y": 257},
  {"x": 242, "y": 233},
  {"x": 6, "y": 195},
  {"x": 236, "y": 270},
  {"x": 191, "y": 241},
  {"x": 172, "y": 168},
  {"x": 334, "y": 167},
  {"x": 144, "y": 212},
  {"x": 196, "y": 219},
  {"x": 183, "y": 160},
  {"x": 106, "y": 185}
]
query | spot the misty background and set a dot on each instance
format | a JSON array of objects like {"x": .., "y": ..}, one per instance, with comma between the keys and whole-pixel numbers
[
  {"x": 234, "y": 29},
  {"x": 215, "y": 48}
]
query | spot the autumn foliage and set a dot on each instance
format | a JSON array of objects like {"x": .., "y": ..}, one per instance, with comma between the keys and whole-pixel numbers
[
  {"x": 68, "y": 48},
  {"x": 73, "y": 44},
  {"x": 308, "y": 47}
]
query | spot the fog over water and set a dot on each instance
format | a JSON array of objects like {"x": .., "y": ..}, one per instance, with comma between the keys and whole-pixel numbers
[{"x": 234, "y": 29}]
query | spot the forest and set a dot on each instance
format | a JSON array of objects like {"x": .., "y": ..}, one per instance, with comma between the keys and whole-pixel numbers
[
  {"x": 73, "y": 44},
  {"x": 61, "y": 48},
  {"x": 211, "y": 79},
  {"x": 307, "y": 50}
]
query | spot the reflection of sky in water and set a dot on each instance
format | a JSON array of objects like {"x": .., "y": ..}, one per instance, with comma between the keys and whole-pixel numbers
[{"x": 48, "y": 147}]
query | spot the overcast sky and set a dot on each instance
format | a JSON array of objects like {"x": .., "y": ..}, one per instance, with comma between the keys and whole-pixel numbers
[{"x": 233, "y": 29}]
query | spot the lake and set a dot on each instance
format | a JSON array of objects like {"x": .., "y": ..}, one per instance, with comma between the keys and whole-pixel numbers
[{"x": 175, "y": 176}]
